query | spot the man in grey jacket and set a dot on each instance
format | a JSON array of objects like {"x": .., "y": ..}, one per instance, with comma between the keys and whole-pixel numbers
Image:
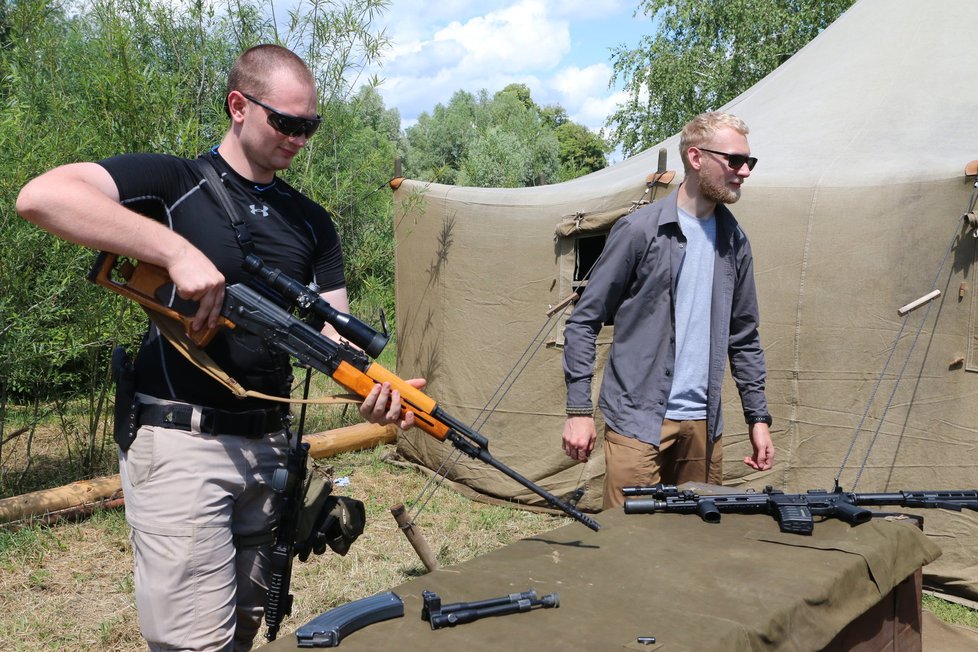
[{"x": 676, "y": 279}]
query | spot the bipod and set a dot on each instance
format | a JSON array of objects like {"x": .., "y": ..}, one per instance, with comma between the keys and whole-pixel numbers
[{"x": 459, "y": 613}]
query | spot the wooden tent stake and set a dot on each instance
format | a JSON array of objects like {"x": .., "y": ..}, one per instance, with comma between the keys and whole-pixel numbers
[{"x": 414, "y": 536}]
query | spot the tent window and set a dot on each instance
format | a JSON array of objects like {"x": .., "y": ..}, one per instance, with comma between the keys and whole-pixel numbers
[{"x": 587, "y": 249}]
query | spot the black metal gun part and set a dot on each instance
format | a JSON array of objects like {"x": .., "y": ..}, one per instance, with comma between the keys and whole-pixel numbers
[
  {"x": 795, "y": 512},
  {"x": 329, "y": 628},
  {"x": 459, "y": 613}
]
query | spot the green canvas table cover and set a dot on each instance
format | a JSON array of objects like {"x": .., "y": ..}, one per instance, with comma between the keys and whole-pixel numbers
[{"x": 736, "y": 585}]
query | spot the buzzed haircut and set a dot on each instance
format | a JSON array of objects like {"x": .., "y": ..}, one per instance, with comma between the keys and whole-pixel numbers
[
  {"x": 701, "y": 130},
  {"x": 251, "y": 71}
]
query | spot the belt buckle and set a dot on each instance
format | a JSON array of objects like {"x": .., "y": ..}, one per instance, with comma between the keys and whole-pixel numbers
[{"x": 208, "y": 421}]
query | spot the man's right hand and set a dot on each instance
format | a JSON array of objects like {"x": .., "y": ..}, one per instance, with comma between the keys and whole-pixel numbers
[
  {"x": 79, "y": 202},
  {"x": 197, "y": 279},
  {"x": 579, "y": 437}
]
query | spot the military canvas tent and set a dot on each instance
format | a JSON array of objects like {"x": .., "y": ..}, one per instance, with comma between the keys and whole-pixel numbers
[{"x": 854, "y": 210}]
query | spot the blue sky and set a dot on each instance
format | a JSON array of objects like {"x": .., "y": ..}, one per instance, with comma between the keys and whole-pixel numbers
[{"x": 559, "y": 48}]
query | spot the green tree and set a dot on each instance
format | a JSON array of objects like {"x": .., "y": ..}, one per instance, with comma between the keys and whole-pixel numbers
[
  {"x": 703, "y": 54},
  {"x": 437, "y": 144},
  {"x": 522, "y": 93},
  {"x": 554, "y": 115},
  {"x": 503, "y": 140},
  {"x": 352, "y": 161},
  {"x": 581, "y": 150},
  {"x": 81, "y": 81}
]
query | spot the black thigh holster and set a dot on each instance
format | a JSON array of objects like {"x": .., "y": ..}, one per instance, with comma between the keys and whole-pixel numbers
[{"x": 126, "y": 407}]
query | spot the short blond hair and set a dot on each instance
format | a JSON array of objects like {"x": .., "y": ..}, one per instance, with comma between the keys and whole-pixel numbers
[
  {"x": 701, "y": 130},
  {"x": 251, "y": 71}
]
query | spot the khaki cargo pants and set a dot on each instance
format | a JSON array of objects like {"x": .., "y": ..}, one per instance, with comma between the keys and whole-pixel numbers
[
  {"x": 684, "y": 455},
  {"x": 188, "y": 497}
]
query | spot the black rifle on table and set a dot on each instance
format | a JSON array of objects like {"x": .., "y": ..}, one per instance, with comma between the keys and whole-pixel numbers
[{"x": 794, "y": 512}]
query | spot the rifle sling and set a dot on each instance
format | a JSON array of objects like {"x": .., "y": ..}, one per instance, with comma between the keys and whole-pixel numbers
[
  {"x": 174, "y": 332},
  {"x": 241, "y": 233},
  {"x": 177, "y": 336}
]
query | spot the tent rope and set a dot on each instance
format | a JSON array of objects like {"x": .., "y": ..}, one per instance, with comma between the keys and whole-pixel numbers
[
  {"x": 554, "y": 316},
  {"x": 515, "y": 371},
  {"x": 855, "y": 436}
]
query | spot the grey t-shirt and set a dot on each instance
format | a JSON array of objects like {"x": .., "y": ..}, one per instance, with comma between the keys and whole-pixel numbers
[{"x": 694, "y": 293}]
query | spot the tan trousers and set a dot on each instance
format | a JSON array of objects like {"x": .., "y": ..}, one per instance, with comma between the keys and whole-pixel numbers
[
  {"x": 188, "y": 495},
  {"x": 684, "y": 455}
]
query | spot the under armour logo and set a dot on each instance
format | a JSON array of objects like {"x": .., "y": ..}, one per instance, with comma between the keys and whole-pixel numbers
[{"x": 262, "y": 210}]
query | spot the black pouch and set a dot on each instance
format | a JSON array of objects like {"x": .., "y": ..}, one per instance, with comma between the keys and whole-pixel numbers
[
  {"x": 126, "y": 407},
  {"x": 327, "y": 520}
]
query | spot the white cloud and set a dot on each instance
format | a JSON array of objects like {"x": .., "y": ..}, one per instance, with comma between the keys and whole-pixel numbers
[
  {"x": 577, "y": 84},
  {"x": 519, "y": 37},
  {"x": 559, "y": 49}
]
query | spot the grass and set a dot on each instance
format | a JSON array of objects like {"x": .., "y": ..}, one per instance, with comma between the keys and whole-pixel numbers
[
  {"x": 951, "y": 612},
  {"x": 69, "y": 587}
]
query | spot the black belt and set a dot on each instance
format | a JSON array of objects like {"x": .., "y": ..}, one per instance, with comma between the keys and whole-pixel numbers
[{"x": 253, "y": 424}]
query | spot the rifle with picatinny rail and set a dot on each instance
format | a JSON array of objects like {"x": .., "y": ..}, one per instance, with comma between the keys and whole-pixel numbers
[
  {"x": 257, "y": 313},
  {"x": 794, "y": 512}
]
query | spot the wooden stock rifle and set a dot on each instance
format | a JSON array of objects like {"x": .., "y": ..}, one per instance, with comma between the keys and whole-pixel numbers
[{"x": 250, "y": 310}]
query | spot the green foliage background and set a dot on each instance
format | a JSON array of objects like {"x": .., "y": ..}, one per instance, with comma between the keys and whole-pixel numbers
[
  {"x": 80, "y": 81},
  {"x": 501, "y": 141}
]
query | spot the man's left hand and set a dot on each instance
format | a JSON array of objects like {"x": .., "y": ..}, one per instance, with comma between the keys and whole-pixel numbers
[
  {"x": 383, "y": 405},
  {"x": 760, "y": 439}
]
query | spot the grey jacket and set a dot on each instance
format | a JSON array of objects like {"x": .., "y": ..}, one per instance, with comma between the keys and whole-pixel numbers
[{"x": 634, "y": 282}]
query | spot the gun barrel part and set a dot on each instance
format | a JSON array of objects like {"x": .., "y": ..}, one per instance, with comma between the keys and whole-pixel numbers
[
  {"x": 491, "y": 602},
  {"x": 644, "y": 505},
  {"x": 462, "y": 616}
]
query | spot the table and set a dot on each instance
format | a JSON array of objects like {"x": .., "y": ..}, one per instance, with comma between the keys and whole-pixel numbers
[{"x": 735, "y": 585}]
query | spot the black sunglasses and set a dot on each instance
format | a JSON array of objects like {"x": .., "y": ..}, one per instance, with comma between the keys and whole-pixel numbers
[
  {"x": 735, "y": 161},
  {"x": 288, "y": 125}
]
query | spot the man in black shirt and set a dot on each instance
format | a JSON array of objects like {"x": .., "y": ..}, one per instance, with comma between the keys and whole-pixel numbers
[{"x": 199, "y": 500}]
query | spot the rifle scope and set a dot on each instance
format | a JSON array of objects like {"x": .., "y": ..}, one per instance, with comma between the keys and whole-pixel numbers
[{"x": 360, "y": 334}]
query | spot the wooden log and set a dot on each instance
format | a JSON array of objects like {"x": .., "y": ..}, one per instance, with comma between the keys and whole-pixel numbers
[
  {"x": 82, "y": 492},
  {"x": 351, "y": 438},
  {"x": 76, "y": 513},
  {"x": 85, "y": 496}
]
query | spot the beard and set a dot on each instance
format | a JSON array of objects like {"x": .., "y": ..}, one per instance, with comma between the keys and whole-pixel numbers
[{"x": 715, "y": 191}]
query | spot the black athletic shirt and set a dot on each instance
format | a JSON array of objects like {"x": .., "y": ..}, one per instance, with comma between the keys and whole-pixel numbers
[{"x": 290, "y": 232}]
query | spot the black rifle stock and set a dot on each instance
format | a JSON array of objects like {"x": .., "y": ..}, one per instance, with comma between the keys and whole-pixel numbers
[{"x": 794, "y": 512}]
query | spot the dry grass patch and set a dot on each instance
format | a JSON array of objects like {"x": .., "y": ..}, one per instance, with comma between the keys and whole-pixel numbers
[{"x": 69, "y": 587}]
